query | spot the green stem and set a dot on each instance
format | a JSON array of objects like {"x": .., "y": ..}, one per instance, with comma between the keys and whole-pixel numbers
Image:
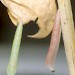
[{"x": 11, "y": 70}]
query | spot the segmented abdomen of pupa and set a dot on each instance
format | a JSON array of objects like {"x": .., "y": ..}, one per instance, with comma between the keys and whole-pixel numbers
[{"x": 29, "y": 10}]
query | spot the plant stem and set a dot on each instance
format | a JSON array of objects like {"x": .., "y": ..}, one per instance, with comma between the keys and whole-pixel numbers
[
  {"x": 11, "y": 70},
  {"x": 68, "y": 32}
]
